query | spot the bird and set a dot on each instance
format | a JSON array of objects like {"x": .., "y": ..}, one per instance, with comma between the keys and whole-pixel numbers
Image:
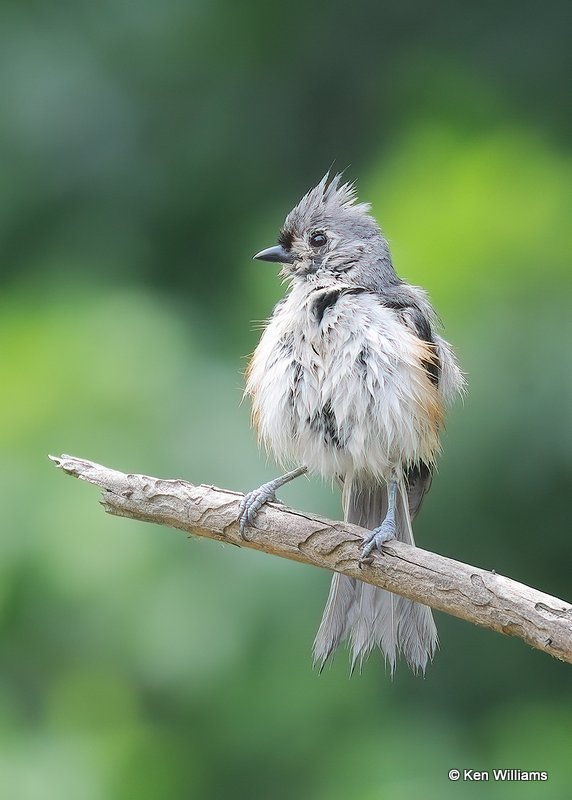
[{"x": 350, "y": 381}]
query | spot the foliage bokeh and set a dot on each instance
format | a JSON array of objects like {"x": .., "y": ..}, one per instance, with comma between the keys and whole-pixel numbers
[{"x": 147, "y": 151}]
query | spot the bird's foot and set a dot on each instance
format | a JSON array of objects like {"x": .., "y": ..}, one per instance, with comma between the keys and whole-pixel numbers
[
  {"x": 377, "y": 538},
  {"x": 251, "y": 504}
]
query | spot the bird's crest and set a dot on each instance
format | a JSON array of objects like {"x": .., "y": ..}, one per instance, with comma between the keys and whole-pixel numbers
[{"x": 326, "y": 201}]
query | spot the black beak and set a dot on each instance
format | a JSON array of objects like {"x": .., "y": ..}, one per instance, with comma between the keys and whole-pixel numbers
[{"x": 277, "y": 254}]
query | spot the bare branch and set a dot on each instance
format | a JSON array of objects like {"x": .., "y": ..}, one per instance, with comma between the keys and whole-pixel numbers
[{"x": 470, "y": 593}]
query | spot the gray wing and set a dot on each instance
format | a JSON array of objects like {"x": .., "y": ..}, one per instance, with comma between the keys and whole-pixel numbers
[
  {"x": 413, "y": 304},
  {"x": 418, "y": 481}
]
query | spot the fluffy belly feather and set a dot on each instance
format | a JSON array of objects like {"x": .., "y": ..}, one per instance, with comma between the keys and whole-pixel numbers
[{"x": 340, "y": 387}]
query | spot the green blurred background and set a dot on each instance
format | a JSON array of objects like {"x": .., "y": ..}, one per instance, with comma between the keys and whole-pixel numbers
[{"x": 147, "y": 150}]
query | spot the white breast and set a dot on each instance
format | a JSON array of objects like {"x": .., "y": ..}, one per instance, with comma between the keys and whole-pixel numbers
[{"x": 346, "y": 392}]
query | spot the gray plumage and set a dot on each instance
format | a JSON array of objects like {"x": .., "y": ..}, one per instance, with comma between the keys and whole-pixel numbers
[
  {"x": 351, "y": 380},
  {"x": 368, "y": 616}
]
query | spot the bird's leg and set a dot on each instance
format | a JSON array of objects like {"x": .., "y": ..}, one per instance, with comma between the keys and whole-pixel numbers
[
  {"x": 252, "y": 502},
  {"x": 386, "y": 531}
]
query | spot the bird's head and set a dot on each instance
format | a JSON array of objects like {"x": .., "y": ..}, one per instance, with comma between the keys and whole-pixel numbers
[{"x": 329, "y": 232}]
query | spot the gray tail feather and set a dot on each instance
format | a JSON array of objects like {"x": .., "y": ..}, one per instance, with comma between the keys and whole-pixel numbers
[{"x": 365, "y": 615}]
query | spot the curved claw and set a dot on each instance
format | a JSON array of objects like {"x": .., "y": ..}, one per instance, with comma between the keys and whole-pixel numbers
[
  {"x": 251, "y": 504},
  {"x": 377, "y": 538}
]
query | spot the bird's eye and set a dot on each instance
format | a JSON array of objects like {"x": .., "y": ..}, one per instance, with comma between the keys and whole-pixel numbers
[{"x": 318, "y": 239}]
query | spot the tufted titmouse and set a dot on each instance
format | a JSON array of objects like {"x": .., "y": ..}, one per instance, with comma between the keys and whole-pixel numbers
[{"x": 350, "y": 380}]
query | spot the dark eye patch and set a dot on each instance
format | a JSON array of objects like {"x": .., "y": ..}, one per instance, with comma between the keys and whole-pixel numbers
[{"x": 286, "y": 238}]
